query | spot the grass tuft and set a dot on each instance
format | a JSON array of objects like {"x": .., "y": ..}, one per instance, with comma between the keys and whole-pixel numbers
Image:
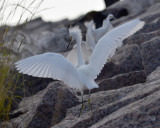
[{"x": 8, "y": 77}]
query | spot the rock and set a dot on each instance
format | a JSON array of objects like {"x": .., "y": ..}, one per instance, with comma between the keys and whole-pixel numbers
[
  {"x": 126, "y": 59},
  {"x": 154, "y": 75},
  {"x": 121, "y": 80},
  {"x": 133, "y": 6},
  {"x": 27, "y": 86},
  {"x": 52, "y": 41},
  {"x": 129, "y": 57},
  {"x": 151, "y": 54},
  {"x": 38, "y": 25},
  {"x": 153, "y": 26},
  {"x": 47, "y": 108},
  {"x": 139, "y": 39},
  {"x": 36, "y": 37},
  {"x": 137, "y": 105}
]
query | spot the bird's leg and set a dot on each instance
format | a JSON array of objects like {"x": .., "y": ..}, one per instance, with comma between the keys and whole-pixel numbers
[
  {"x": 82, "y": 105},
  {"x": 89, "y": 101}
]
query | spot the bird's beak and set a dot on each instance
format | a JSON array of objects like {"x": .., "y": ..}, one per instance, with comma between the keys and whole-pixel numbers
[{"x": 69, "y": 42}]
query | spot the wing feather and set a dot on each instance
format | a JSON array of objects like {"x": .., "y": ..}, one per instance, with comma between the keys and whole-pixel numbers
[
  {"x": 72, "y": 56},
  {"x": 107, "y": 43},
  {"x": 50, "y": 65}
]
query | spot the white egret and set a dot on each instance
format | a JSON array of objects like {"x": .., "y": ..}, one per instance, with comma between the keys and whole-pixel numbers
[
  {"x": 92, "y": 36},
  {"x": 56, "y": 66},
  {"x": 106, "y": 26}
]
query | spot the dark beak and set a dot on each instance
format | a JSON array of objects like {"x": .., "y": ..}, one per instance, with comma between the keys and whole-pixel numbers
[{"x": 69, "y": 44}]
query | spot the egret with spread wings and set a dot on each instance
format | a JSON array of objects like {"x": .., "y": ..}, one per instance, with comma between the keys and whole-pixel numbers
[{"x": 56, "y": 66}]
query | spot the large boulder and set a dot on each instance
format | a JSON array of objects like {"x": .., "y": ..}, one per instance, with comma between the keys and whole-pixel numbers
[{"x": 45, "y": 109}]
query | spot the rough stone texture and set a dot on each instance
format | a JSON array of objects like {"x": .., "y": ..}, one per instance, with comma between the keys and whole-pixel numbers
[
  {"x": 28, "y": 87},
  {"x": 126, "y": 59},
  {"x": 47, "y": 108},
  {"x": 151, "y": 54},
  {"x": 121, "y": 80},
  {"x": 35, "y": 39},
  {"x": 153, "y": 26},
  {"x": 136, "y": 106},
  {"x": 139, "y": 39},
  {"x": 133, "y": 6}
]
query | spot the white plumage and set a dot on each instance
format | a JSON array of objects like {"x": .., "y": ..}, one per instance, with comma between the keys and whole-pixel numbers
[
  {"x": 106, "y": 26},
  {"x": 53, "y": 65},
  {"x": 107, "y": 43},
  {"x": 92, "y": 36}
]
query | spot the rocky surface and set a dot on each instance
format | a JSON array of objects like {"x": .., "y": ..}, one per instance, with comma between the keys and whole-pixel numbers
[
  {"x": 129, "y": 84},
  {"x": 46, "y": 108},
  {"x": 134, "y": 106}
]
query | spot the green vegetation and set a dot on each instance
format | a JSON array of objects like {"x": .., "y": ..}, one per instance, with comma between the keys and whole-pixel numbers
[{"x": 8, "y": 77}]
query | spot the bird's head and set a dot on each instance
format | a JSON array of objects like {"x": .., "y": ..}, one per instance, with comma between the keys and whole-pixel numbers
[
  {"x": 111, "y": 17},
  {"x": 75, "y": 35}
]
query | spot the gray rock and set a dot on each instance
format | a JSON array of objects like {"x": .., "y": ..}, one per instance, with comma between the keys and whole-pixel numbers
[
  {"x": 47, "y": 108},
  {"x": 37, "y": 37},
  {"x": 151, "y": 54},
  {"x": 139, "y": 39},
  {"x": 52, "y": 41},
  {"x": 121, "y": 80},
  {"x": 149, "y": 27},
  {"x": 136, "y": 105},
  {"x": 126, "y": 59},
  {"x": 133, "y": 6}
]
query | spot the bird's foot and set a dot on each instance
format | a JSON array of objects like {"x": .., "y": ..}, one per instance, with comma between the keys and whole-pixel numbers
[
  {"x": 90, "y": 105},
  {"x": 81, "y": 110}
]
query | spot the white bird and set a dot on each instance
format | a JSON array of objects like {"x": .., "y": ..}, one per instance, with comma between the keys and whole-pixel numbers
[
  {"x": 92, "y": 36},
  {"x": 106, "y": 26},
  {"x": 56, "y": 66}
]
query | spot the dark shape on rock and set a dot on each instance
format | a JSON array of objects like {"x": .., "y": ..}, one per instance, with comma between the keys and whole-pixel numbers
[
  {"x": 122, "y": 12},
  {"x": 98, "y": 18},
  {"x": 110, "y": 2}
]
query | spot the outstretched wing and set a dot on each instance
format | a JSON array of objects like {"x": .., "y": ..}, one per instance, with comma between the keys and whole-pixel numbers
[
  {"x": 107, "y": 43},
  {"x": 50, "y": 65}
]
